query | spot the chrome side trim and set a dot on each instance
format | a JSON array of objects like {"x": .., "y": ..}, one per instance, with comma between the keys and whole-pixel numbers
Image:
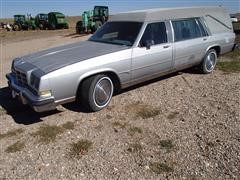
[
  {"x": 154, "y": 76},
  {"x": 66, "y": 100}
]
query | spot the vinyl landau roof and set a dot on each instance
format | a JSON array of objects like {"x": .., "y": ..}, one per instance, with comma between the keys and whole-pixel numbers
[{"x": 166, "y": 13}]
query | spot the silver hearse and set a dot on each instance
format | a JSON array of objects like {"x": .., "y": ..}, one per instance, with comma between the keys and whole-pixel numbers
[{"x": 130, "y": 48}]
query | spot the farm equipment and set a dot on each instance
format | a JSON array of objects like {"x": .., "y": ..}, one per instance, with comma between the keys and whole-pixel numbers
[
  {"x": 21, "y": 23},
  {"x": 57, "y": 20},
  {"x": 41, "y": 21},
  {"x": 92, "y": 20},
  {"x": 236, "y": 27}
]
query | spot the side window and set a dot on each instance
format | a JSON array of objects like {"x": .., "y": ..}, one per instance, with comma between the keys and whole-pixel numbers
[
  {"x": 155, "y": 33},
  {"x": 202, "y": 27},
  {"x": 186, "y": 29}
]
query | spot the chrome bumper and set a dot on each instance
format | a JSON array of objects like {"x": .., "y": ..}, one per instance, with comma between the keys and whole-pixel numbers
[{"x": 27, "y": 97}]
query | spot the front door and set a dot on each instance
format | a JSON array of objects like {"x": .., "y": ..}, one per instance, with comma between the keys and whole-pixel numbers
[{"x": 154, "y": 53}]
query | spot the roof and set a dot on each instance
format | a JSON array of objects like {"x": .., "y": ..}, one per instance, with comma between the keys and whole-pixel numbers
[{"x": 165, "y": 13}]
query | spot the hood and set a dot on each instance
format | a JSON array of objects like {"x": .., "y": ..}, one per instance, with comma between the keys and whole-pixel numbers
[{"x": 56, "y": 58}]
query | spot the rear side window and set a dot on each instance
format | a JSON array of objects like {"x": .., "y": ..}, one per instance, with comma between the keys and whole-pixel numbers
[
  {"x": 202, "y": 27},
  {"x": 155, "y": 33},
  {"x": 186, "y": 29}
]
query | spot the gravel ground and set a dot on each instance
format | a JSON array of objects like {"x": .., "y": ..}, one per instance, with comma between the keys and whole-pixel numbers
[{"x": 182, "y": 126}]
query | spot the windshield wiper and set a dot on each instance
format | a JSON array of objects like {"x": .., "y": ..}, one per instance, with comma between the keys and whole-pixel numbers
[{"x": 109, "y": 42}]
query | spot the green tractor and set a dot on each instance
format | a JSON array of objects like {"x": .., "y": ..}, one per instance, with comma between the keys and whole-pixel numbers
[
  {"x": 92, "y": 20},
  {"x": 41, "y": 21},
  {"x": 57, "y": 20},
  {"x": 21, "y": 23}
]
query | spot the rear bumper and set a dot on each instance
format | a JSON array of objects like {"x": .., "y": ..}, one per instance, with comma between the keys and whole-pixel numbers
[{"x": 39, "y": 104}]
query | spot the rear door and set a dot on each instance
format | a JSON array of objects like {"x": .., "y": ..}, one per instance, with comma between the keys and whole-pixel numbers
[
  {"x": 190, "y": 42},
  {"x": 154, "y": 53}
]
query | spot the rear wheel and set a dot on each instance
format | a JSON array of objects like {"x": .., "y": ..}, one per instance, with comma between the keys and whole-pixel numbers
[
  {"x": 17, "y": 27},
  {"x": 53, "y": 26},
  {"x": 209, "y": 62},
  {"x": 41, "y": 27},
  {"x": 98, "y": 25},
  {"x": 96, "y": 92}
]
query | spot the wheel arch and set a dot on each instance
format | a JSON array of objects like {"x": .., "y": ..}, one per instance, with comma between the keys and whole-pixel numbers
[
  {"x": 216, "y": 47},
  {"x": 108, "y": 72}
]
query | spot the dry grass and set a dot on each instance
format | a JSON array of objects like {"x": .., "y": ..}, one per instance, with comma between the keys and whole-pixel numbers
[
  {"x": 18, "y": 146},
  {"x": 160, "y": 168},
  {"x": 144, "y": 111},
  {"x": 232, "y": 65},
  {"x": 12, "y": 36},
  {"x": 11, "y": 133},
  {"x": 7, "y": 20},
  {"x": 80, "y": 148},
  {"x": 72, "y": 20}
]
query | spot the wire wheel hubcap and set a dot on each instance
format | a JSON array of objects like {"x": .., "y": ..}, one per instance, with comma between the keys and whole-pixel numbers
[
  {"x": 103, "y": 92},
  {"x": 210, "y": 61}
]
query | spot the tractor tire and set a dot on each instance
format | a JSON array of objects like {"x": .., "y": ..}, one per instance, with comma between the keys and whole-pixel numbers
[
  {"x": 17, "y": 27},
  {"x": 41, "y": 26},
  {"x": 93, "y": 29},
  {"x": 30, "y": 28},
  {"x": 52, "y": 26},
  {"x": 66, "y": 26},
  {"x": 98, "y": 24}
]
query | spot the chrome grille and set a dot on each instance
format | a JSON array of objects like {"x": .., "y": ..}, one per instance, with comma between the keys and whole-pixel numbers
[{"x": 21, "y": 78}]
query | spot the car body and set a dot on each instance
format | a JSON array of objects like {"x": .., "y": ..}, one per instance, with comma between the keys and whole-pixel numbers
[{"x": 130, "y": 48}]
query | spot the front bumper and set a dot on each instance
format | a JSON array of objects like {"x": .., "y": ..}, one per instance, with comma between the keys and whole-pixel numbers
[{"x": 26, "y": 96}]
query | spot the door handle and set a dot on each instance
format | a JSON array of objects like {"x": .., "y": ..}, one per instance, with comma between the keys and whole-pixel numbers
[
  {"x": 204, "y": 39},
  {"x": 166, "y": 46}
]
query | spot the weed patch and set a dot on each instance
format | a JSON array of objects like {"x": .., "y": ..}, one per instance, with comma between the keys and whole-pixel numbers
[
  {"x": 133, "y": 148},
  {"x": 11, "y": 133},
  {"x": 47, "y": 134},
  {"x": 167, "y": 144},
  {"x": 160, "y": 168},
  {"x": 80, "y": 148},
  {"x": 68, "y": 125},
  {"x": 118, "y": 124},
  {"x": 18, "y": 146},
  {"x": 144, "y": 111},
  {"x": 134, "y": 130}
]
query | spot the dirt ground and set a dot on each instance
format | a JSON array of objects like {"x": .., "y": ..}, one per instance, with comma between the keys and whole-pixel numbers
[{"x": 182, "y": 126}]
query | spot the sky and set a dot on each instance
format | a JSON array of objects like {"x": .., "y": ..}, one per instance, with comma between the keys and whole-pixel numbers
[{"x": 75, "y": 7}]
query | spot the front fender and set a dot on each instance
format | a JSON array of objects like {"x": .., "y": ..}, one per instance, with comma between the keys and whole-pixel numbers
[{"x": 95, "y": 72}]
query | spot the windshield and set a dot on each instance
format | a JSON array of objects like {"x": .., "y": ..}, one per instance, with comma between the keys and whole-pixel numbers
[
  {"x": 19, "y": 18},
  {"x": 43, "y": 16},
  {"x": 122, "y": 33}
]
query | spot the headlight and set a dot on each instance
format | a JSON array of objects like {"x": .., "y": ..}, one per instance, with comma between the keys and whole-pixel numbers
[{"x": 46, "y": 93}]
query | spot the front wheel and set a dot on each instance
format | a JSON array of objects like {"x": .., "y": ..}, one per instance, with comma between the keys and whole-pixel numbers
[
  {"x": 209, "y": 62},
  {"x": 96, "y": 92}
]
